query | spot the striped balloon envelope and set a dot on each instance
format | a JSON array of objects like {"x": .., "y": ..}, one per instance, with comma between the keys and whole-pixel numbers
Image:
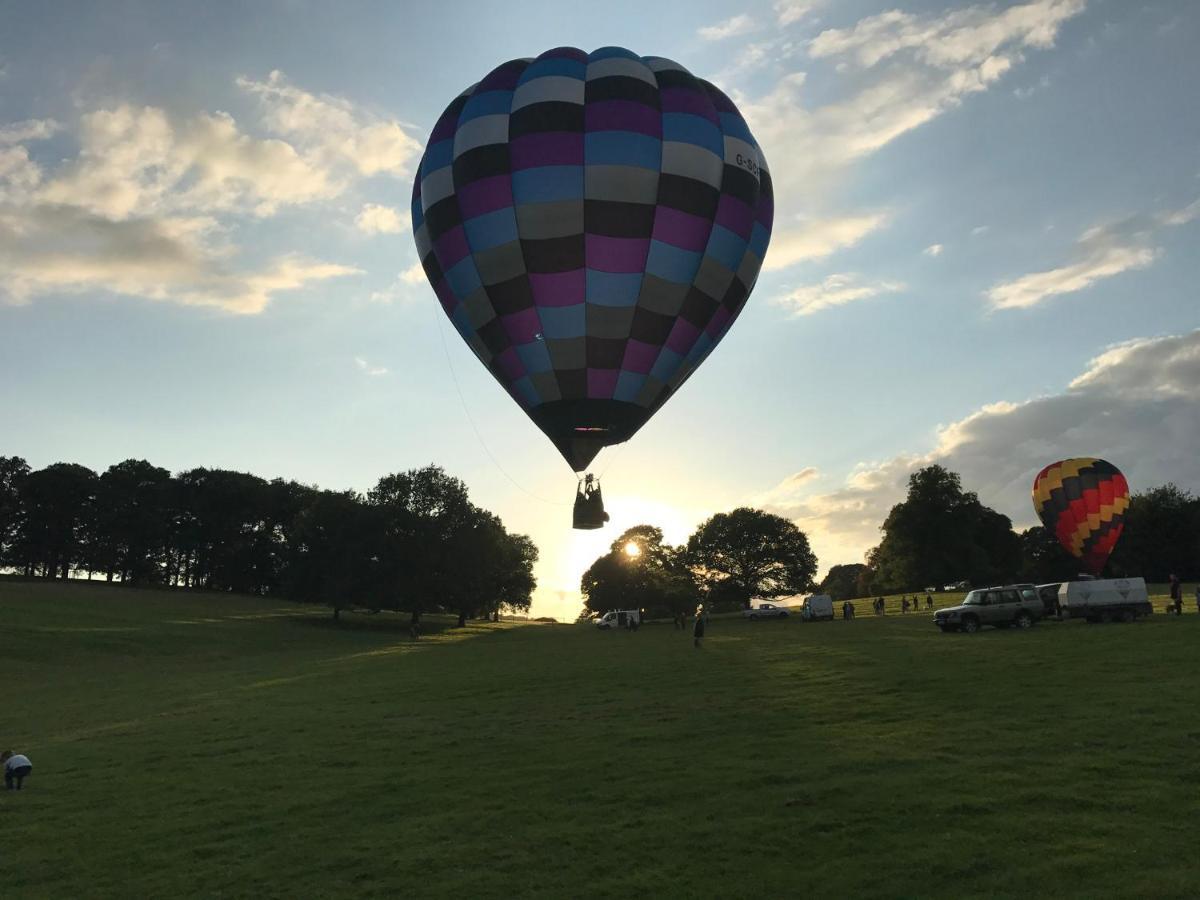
[
  {"x": 592, "y": 224},
  {"x": 1083, "y": 502}
]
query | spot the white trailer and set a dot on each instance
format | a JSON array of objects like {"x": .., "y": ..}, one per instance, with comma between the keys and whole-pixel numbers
[
  {"x": 1104, "y": 600},
  {"x": 620, "y": 618},
  {"x": 817, "y": 607}
]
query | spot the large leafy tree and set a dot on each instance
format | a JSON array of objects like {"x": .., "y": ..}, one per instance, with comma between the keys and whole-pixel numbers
[
  {"x": 58, "y": 509},
  {"x": 748, "y": 553},
  {"x": 334, "y": 552},
  {"x": 1043, "y": 558},
  {"x": 1161, "y": 536},
  {"x": 940, "y": 534},
  {"x": 132, "y": 516},
  {"x": 846, "y": 582},
  {"x": 13, "y": 471},
  {"x": 639, "y": 571}
]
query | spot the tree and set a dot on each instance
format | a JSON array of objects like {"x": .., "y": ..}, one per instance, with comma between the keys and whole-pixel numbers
[
  {"x": 58, "y": 506},
  {"x": 845, "y": 582},
  {"x": 941, "y": 534},
  {"x": 751, "y": 554},
  {"x": 639, "y": 571},
  {"x": 132, "y": 515},
  {"x": 1043, "y": 558},
  {"x": 334, "y": 552},
  {"x": 1161, "y": 536},
  {"x": 13, "y": 470}
]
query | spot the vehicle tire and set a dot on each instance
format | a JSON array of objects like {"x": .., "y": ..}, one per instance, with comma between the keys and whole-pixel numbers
[
  {"x": 970, "y": 625},
  {"x": 1024, "y": 620}
]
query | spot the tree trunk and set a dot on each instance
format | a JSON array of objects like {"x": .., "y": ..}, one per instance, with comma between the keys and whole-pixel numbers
[
  {"x": 462, "y": 619},
  {"x": 337, "y": 614},
  {"x": 496, "y": 616}
]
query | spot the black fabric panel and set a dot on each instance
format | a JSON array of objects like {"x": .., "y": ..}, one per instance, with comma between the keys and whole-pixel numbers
[
  {"x": 614, "y": 218},
  {"x": 442, "y": 217},
  {"x": 605, "y": 353},
  {"x": 494, "y": 337},
  {"x": 562, "y": 254},
  {"x": 650, "y": 327},
  {"x": 741, "y": 184},
  {"x": 688, "y": 195},
  {"x": 572, "y": 383},
  {"x": 698, "y": 307},
  {"x": 553, "y": 115},
  {"x": 511, "y": 296},
  {"x": 481, "y": 162},
  {"x": 621, "y": 87}
]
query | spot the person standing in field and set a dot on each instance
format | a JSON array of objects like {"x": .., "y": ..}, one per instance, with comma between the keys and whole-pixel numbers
[
  {"x": 16, "y": 768},
  {"x": 1176, "y": 594},
  {"x": 698, "y": 627},
  {"x": 929, "y": 601}
]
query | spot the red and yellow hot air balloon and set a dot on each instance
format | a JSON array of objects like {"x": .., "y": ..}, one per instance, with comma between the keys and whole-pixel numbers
[{"x": 1082, "y": 502}]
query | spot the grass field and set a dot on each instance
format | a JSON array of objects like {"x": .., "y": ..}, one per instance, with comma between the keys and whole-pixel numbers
[{"x": 198, "y": 745}]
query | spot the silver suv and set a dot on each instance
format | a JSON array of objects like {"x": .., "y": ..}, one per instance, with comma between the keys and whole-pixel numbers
[{"x": 1011, "y": 605}]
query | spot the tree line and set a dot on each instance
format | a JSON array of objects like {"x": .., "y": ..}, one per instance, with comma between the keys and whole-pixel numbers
[
  {"x": 415, "y": 543},
  {"x": 730, "y": 560},
  {"x": 942, "y": 534},
  {"x": 939, "y": 535}
]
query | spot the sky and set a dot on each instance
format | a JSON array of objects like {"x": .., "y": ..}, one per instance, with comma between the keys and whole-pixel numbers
[{"x": 984, "y": 254}]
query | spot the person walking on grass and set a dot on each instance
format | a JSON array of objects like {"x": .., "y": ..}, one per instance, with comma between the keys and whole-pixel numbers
[
  {"x": 698, "y": 627},
  {"x": 1176, "y": 594},
  {"x": 16, "y": 768},
  {"x": 929, "y": 601}
]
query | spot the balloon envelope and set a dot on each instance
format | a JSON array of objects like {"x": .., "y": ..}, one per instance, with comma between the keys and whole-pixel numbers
[
  {"x": 1083, "y": 502},
  {"x": 592, "y": 224}
]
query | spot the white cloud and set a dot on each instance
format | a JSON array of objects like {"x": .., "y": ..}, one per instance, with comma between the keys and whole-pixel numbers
[
  {"x": 29, "y": 130},
  {"x": 414, "y": 274},
  {"x": 376, "y": 219},
  {"x": 402, "y": 287},
  {"x": 788, "y": 12},
  {"x": 962, "y": 37},
  {"x": 933, "y": 250},
  {"x": 1133, "y": 405},
  {"x": 729, "y": 28},
  {"x": 1102, "y": 251},
  {"x": 137, "y": 161},
  {"x": 979, "y": 230},
  {"x": 67, "y": 249},
  {"x": 334, "y": 129},
  {"x": 368, "y": 369},
  {"x": 796, "y": 239},
  {"x": 835, "y": 290}
]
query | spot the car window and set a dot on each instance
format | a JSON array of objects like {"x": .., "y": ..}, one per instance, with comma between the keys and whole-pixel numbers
[
  {"x": 1009, "y": 597},
  {"x": 975, "y": 598},
  {"x": 1028, "y": 594}
]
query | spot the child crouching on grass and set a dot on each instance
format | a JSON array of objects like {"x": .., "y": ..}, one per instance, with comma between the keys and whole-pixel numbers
[{"x": 16, "y": 767}]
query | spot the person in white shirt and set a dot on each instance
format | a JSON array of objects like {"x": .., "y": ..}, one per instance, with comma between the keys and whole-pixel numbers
[{"x": 16, "y": 767}]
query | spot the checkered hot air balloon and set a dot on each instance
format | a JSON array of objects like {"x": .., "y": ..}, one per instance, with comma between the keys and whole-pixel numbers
[
  {"x": 1082, "y": 502},
  {"x": 592, "y": 224}
]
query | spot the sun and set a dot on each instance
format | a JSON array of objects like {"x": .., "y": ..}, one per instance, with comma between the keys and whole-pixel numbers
[{"x": 632, "y": 550}]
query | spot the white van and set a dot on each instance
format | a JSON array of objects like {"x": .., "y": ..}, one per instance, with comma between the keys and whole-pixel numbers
[
  {"x": 817, "y": 607},
  {"x": 1104, "y": 599},
  {"x": 620, "y": 618}
]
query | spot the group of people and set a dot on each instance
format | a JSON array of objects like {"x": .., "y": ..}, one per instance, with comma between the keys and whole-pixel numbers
[
  {"x": 17, "y": 768},
  {"x": 879, "y": 605},
  {"x": 847, "y": 610}
]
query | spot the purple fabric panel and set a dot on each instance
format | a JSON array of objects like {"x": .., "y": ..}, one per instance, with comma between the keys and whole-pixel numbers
[
  {"x": 484, "y": 196},
  {"x": 765, "y": 212},
  {"x": 558, "y": 288},
  {"x": 509, "y": 364},
  {"x": 503, "y": 77},
  {"x": 612, "y": 254},
  {"x": 683, "y": 335},
  {"x": 602, "y": 383},
  {"x": 680, "y": 229},
  {"x": 639, "y": 356},
  {"x": 622, "y": 115},
  {"x": 444, "y": 129},
  {"x": 735, "y": 215},
  {"x": 719, "y": 322},
  {"x": 681, "y": 100},
  {"x": 451, "y": 247},
  {"x": 551, "y": 148},
  {"x": 565, "y": 53},
  {"x": 522, "y": 327},
  {"x": 446, "y": 296}
]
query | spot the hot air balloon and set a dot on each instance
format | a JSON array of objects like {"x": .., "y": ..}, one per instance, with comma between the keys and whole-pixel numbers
[
  {"x": 1083, "y": 501},
  {"x": 592, "y": 224}
]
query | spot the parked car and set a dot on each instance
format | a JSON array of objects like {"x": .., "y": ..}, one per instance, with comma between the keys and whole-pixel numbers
[
  {"x": 620, "y": 618},
  {"x": 957, "y": 586},
  {"x": 817, "y": 607},
  {"x": 1104, "y": 599},
  {"x": 766, "y": 611},
  {"x": 1009, "y": 605}
]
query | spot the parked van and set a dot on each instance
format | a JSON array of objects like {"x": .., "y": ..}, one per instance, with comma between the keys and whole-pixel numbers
[
  {"x": 817, "y": 607},
  {"x": 620, "y": 618},
  {"x": 1104, "y": 599}
]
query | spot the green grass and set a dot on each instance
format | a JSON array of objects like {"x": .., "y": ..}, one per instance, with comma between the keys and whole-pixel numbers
[{"x": 198, "y": 745}]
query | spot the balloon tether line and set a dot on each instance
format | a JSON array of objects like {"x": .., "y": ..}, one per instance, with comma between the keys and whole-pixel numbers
[{"x": 471, "y": 419}]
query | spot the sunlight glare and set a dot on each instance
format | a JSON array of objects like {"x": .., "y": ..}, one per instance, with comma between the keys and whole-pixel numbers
[{"x": 632, "y": 550}]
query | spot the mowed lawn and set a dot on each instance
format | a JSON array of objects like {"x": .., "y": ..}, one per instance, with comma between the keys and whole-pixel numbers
[{"x": 207, "y": 745}]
